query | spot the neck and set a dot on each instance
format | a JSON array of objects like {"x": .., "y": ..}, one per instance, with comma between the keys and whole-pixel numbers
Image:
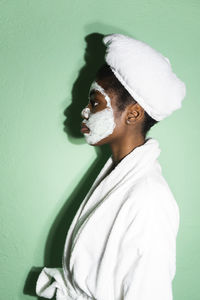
[{"x": 123, "y": 147}]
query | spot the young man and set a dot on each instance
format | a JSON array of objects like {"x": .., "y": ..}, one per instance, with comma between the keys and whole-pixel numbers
[{"x": 121, "y": 244}]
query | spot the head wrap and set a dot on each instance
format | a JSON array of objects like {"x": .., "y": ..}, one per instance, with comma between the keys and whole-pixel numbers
[{"x": 146, "y": 74}]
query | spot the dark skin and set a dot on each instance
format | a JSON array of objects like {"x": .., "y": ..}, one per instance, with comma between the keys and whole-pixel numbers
[{"x": 127, "y": 133}]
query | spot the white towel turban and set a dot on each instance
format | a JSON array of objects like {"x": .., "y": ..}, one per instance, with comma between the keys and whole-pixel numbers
[{"x": 146, "y": 74}]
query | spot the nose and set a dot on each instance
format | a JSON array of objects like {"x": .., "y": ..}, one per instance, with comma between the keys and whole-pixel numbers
[{"x": 85, "y": 113}]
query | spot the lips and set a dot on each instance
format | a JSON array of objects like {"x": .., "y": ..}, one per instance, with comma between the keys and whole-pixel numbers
[{"x": 84, "y": 128}]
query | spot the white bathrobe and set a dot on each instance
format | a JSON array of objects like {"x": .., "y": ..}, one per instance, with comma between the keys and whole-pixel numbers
[{"x": 121, "y": 244}]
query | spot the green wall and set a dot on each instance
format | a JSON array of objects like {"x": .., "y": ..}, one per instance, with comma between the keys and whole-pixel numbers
[{"x": 49, "y": 53}]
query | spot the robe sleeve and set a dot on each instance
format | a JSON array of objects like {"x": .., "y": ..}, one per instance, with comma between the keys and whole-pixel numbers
[
  {"x": 149, "y": 248},
  {"x": 51, "y": 283}
]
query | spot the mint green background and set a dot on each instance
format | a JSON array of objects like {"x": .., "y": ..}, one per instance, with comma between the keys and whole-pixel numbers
[{"x": 45, "y": 168}]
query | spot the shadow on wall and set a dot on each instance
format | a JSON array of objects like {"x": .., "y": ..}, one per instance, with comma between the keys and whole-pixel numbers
[{"x": 94, "y": 58}]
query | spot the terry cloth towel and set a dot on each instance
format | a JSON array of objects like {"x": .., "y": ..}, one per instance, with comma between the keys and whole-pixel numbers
[
  {"x": 122, "y": 241},
  {"x": 146, "y": 74}
]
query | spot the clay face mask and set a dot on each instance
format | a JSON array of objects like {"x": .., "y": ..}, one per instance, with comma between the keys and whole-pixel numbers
[{"x": 101, "y": 124}]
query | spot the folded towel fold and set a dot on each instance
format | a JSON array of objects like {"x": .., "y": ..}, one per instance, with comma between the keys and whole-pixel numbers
[{"x": 48, "y": 289}]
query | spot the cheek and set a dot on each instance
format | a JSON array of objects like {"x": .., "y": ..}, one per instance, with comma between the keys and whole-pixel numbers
[
  {"x": 118, "y": 118},
  {"x": 119, "y": 128}
]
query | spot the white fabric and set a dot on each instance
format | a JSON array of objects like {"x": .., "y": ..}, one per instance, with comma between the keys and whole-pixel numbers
[
  {"x": 146, "y": 74},
  {"x": 121, "y": 244},
  {"x": 46, "y": 288}
]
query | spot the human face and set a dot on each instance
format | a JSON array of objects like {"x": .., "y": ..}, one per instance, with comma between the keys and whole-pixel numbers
[{"x": 99, "y": 117}]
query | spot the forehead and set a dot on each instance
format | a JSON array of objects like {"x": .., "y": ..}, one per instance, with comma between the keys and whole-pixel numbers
[
  {"x": 99, "y": 88},
  {"x": 95, "y": 86}
]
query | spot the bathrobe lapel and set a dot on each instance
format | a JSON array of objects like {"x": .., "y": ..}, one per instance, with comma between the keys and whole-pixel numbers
[
  {"x": 69, "y": 242},
  {"x": 125, "y": 174}
]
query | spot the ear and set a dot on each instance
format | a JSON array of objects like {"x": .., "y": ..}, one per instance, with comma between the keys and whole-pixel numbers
[{"x": 134, "y": 114}]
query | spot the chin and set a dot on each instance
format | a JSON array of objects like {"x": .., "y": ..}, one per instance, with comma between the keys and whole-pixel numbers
[
  {"x": 95, "y": 144},
  {"x": 101, "y": 142},
  {"x": 98, "y": 144}
]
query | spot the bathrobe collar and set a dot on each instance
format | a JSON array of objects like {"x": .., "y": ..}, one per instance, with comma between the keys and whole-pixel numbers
[
  {"x": 130, "y": 169},
  {"x": 136, "y": 163}
]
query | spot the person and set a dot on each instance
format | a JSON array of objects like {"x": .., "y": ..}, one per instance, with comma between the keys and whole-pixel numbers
[{"x": 121, "y": 244}]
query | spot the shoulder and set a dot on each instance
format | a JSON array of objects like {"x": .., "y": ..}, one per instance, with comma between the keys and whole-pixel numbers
[
  {"x": 152, "y": 188},
  {"x": 151, "y": 197}
]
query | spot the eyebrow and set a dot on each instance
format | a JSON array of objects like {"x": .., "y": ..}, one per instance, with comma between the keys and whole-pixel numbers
[
  {"x": 92, "y": 100},
  {"x": 94, "y": 92}
]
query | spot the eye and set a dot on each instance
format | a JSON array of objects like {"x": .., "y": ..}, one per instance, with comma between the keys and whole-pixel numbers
[{"x": 93, "y": 103}]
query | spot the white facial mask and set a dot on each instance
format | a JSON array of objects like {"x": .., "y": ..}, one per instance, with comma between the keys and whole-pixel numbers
[
  {"x": 101, "y": 123},
  {"x": 97, "y": 87}
]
